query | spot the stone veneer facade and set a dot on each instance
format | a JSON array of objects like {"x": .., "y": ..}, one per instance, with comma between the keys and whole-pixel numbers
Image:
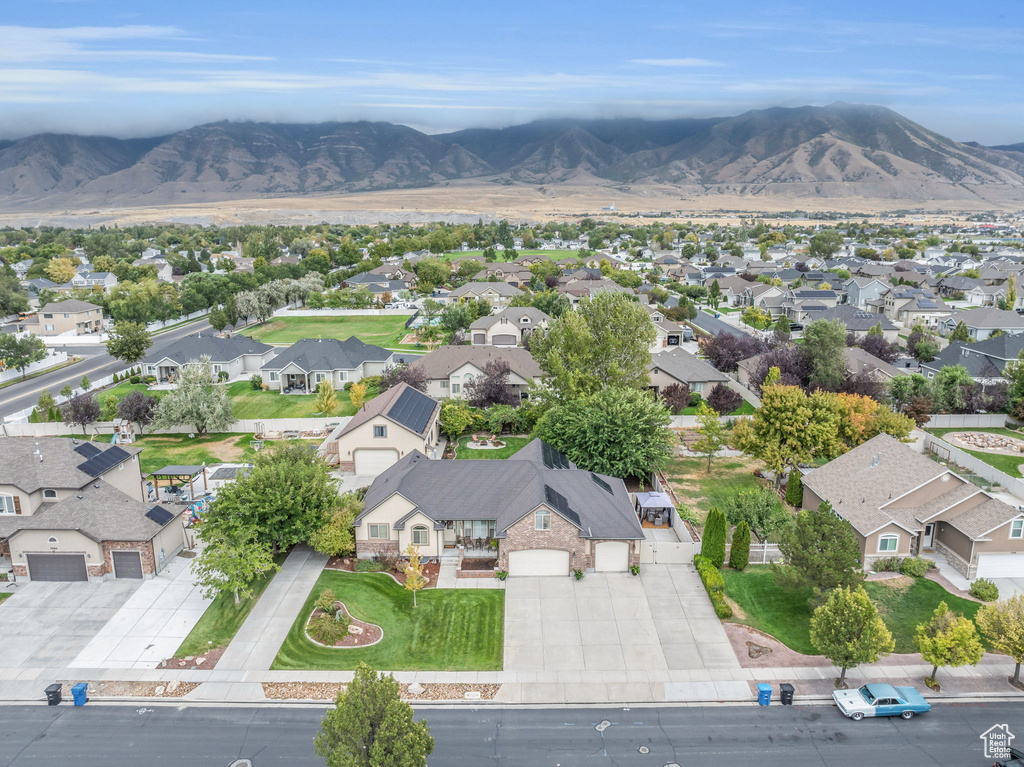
[{"x": 377, "y": 549}]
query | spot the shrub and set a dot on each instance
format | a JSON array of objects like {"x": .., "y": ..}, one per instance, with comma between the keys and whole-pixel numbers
[
  {"x": 887, "y": 565},
  {"x": 577, "y": 574},
  {"x": 739, "y": 554},
  {"x": 348, "y": 386},
  {"x": 713, "y": 543},
  {"x": 985, "y": 590},
  {"x": 694, "y": 400},
  {"x": 326, "y": 602},
  {"x": 117, "y": 378},
  {"x": 256, "y": 382},
  {"x": 795, "y": 490},
  {"x": 501, "y": 574},
  {"x": 370, "y": 382},
  {"x": 714, "y": 584},
  {"x": 915, "y": 566},
  {"x": 265, "y": 387},
  {"x": 135, "y": 379},
  {"x": 370, "y": 566},
  {"x": 327, "y": 629},
  {"x": 222, "y": 376},
  {"x": 722, "y": 609},
  {"x": 148, "y": 379},
  {"x": 724, "y": 400}
]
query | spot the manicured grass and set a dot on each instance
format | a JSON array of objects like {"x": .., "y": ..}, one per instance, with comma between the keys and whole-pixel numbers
[
  {"x": 512, "y": 445},
  {"x": 223, "y": 618},
  {"x": 381, "y": 331},
  {"x": 169, "y": 449},
  {"x": 1008, "y": 464},
  {"x": 249, "y": 403},
  {"x": 450, "y": 630},
  {"x": 786, "y": 614},
  {"x": 700, "y": 490},
  {"x": 122, "y": 389},
  {"x": 4, "y": 595}
]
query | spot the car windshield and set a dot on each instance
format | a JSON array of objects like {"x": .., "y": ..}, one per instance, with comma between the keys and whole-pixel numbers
[{"x": 867, "y": 694}]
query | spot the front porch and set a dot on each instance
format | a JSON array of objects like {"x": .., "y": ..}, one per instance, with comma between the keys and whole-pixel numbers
[
  {"x": 295, "y": 383},
  {"x": 470, "y": 538}
]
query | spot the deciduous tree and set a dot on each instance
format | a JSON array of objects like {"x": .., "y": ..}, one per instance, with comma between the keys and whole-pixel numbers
[
  {"x": 80, "y": 411},
  {"x": 760, "y": 509},
  {"x": 326, "y": 401},
  {"x": 848, "y": 631},
  {"x": 414, "y": 578},
  {"x": 357, "y": 394},
  {"x": 712, "y": 433},
  {"x": 336, "y": 536},
  {"x": 492, "y": 388},
  {"x": 230, "y": 565},
  {"x": 1002, "y": 623},
  {"x": 676, "y": 397},
  {"x": 198, "y": 400},
  {"x": 403, "y": 373},
  {"x": 948, "y": 639},
  {"x": 19, "y": 353},
  {"x": 129, "y": 342},
  {"x": 824, "y": 343},
  {"x": 724, "y": 400},
  {"x": 455, "y": 418},
  {"x": 138, "y": 408}
]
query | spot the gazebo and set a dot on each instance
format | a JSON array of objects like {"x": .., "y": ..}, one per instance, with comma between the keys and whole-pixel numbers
[
  {"x": 178, "y": 474},
  {"x": 656, "y": 508}
]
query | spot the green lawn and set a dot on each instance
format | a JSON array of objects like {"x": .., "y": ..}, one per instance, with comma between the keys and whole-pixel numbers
[
  {"x": 4, "y": 595},
  {"x": 786, "y": 615},
  {"x": 167, "y": 449},
  {"x": 512, "y": 445},
  {"x": 1008, "y": 464},
  {"x": 122, "y": 389},
  {"x": 381, "y": 331},
  {"x": 249, "y": 403},
  {"x": 700, "y": 490},
  {"x": 223, "y": 618},
  {"x": 450, "y": 630},
  {"x": 555, "y": 254}
]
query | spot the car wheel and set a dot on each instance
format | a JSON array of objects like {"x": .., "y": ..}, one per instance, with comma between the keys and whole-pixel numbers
[
  {"x": 857, "y": 716},
  {"x": 907, "y": 714}
]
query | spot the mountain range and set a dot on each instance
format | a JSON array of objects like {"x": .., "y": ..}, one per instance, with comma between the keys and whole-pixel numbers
[{"x": 837, "y": 151}]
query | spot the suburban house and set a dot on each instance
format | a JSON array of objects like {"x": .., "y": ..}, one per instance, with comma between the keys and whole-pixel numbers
[
  {"x": 983, "y": 322},
  {"x": 508, "y": 327},
  {"x": 860, "y": 290},
  {"x": 799, "y": 304},
  {"x": 237, "y": 356},
  {"x": 69, "y": 316},
  {"x": 449, "y": 368},
  {"x": 77, "y": 511},
  {"x": 901, "y": 503},
  {"x": 498, "y": 294},
  {"x": 547, "y": 516},
  {"x": 984, "y": 360},
  {"x": 678, "y": 366},
  {"x": 164, "y": 271},
  {"x": 862, "y": 363},
  {"x": 910, "y": 306},
  {"x": 668, "y": 333},
  {"x": 309, "y": 361},
  {"x": 389, "y": 427},
  {"x": 986, "y": 295},
  {"x": 91, "y": 280}
]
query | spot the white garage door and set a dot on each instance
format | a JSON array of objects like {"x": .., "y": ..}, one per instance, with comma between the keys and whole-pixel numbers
[
  {"x": 538, "y": 562},
  {"x": 373, "y": 462},
  {"x": 611, "y": 557},
  {"x": 1001, "y": 565}
]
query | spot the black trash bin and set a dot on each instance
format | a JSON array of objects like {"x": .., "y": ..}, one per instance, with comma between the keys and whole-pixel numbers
[
  {"x": 53, "y": 694},
  {"x": 786, "y": 693}
]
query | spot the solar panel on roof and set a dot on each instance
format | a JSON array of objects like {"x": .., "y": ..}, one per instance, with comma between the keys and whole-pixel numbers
[
  {"x": 559, "y": 502},
  {"x": 552, "y": 458},
  {"x": 412, "y": 409},
  {"x": 88, "y": 450},
  {"x": 601, "y": 483},
  {"x": 100, "y": 463},
  {"x": 160, "y": 515}
]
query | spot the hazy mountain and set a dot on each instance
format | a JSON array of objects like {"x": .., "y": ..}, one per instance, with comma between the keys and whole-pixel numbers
[
  {"x": 838, "y": 151},
  {"x": 1009, "y": 147}
]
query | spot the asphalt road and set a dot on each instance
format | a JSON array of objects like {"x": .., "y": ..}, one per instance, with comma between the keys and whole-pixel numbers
[
  {"x": 96, "y": 365},
  {"x": 172, "y": 736}
]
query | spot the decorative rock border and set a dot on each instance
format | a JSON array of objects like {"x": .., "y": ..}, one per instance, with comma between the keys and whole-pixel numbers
[{"x": 353, "y": 621}]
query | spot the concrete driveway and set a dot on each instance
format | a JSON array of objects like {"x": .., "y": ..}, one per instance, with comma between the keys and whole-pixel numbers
[
  {"x": 1009, "y": 586},
  {"x": 45, "y": 625},
  {"x": 661, "y": 620}
]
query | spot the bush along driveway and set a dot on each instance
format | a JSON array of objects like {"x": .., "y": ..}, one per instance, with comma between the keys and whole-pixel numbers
[{"x": 450, "y": 630}]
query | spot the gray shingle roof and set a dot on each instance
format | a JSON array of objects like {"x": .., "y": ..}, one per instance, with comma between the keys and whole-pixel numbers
[
  {"x": 507, "y": 489},
  {"x": 323, "y": 354},
  {"x": 476, "y": 288},
  {"x": 58, "y": 468},
  {"x": 70, "y": 305},
  {"x": 856, "y": 319},
  {"x": 442, "y": 361},
  {"x": 217, "y": 349},
  {"x": 987, "y": 317},
  {"x": 685, "y": 367}
]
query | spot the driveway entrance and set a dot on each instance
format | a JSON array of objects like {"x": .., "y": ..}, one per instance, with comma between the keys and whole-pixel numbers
[{"x": 614, "y": 622}]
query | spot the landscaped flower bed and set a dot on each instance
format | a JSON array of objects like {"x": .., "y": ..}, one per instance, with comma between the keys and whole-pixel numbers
[{"x": 358, "y": 633}]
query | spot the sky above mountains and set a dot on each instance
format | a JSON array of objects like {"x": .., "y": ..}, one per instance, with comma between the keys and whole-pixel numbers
[{"x": 148, "y": 68}]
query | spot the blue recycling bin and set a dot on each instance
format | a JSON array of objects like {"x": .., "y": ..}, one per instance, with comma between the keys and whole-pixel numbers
[
  {"x": 79, "y": 693},
  {"x": 764, "y": 695}
]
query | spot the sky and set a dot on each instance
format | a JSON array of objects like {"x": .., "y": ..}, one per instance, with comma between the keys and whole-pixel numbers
[{"x": 150, "y": 68}]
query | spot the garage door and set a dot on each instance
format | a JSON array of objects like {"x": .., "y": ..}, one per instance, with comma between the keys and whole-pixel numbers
[
  {"x": 611, "y": 557},
  {"x": 373, "y": 462},
  {"x": 479, "y": 339},
  {"x": 127, "y": 564},
  {"x": 57, "y": 567},
  {"x": 538, "y": 562},
  {"x": 504, "y": 340},
  {"x": 1001, "y": 565}
]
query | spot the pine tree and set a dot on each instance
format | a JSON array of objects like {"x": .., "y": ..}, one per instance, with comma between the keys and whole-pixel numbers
[
  {"x": 739, "y": 554},
  {"x": 326, "y": 401},
  {"x": 795, "y": 489},
  {"x": 713, "y": 544},
  {"x": 948, "y": 639},
  {"x": 848, "y": 630}
]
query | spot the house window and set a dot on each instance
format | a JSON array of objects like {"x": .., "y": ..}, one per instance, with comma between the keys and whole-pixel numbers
[
  {"x": 444, "y": 384},
  {"x": 47, "y": 316},
  {"x": 542, "y": 520},
  {"x": 420, "y": 536},
  {"x": 6, "y": 504},
  {"x": 150, "y": 369},
  {"x": 342, "y": 375},
  {"x": 888, "y": 543},
  {"x": 48, "y": 327},
  {"x": 1017, "y": 528},
  {"x": 380, "y": 431},
  {"x": 378, "y": 531},
  {"x": 52, "y": 540},
  {"x": 217, "y": 368},
  {"x": 273, "y": 377},
  {"x": 50, "y": 494},
  {"x": 67, "y": 316},
  {"x": 468, "y": 376},
  {"x": 318, "y": 377},
  {"x": 456, "y": 388}
]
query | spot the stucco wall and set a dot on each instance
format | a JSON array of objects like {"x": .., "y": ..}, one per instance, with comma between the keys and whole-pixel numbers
[
  {"x": 127, "y": 478},
  {"x": 399, "y": 438},
  {"x": 68, "y": 542}
]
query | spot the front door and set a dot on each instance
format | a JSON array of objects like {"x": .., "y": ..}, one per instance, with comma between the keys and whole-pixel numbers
[{"x": 929, "y": 534}]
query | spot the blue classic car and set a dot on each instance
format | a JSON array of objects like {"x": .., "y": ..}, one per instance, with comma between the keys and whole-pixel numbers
[{"x": 880, "y": 700}]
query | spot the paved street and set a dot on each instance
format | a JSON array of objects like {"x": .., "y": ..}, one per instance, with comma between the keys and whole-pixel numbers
[
  {"x": 97, "y": 364},
  {"x": 173, "y": 736}
]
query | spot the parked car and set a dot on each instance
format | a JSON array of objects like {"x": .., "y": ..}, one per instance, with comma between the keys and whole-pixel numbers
[
  {"x": 1016, "y": 759},
  {"x": 880, "y": 700}
]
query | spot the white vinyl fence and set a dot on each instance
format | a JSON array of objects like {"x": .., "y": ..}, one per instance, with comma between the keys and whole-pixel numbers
[
  {"x": 308, "y": 428},
  {"x": 966, "y": 421},
  {"x": 21, "y": 417},
  {"x": 53, "y": 359},
  {"x": 951, "y": 454},
  {"x": 288, "y": 312}
]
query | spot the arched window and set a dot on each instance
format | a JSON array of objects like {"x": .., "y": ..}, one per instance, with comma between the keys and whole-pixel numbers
[
  {"x": 888, "y": 543},
  {"x": 542, "y": 520},
  {"x": 52, "y": 540},
  {"x": 420, "y": 536}
]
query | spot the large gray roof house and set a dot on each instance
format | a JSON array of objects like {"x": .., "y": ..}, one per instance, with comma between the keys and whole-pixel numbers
[
  {"x": 547, "y": 516},
  {"x": 235, "y": 355},
  {"x": 309, "y": 361},
  {"x": 77, "y": 511}
]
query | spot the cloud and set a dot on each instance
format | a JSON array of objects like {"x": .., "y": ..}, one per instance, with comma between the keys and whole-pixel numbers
[{"x": 688, "y": 62}]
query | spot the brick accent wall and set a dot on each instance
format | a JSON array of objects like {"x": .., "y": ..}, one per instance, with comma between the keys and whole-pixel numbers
[
  {"x": 368, "y": 549},
  {"x": 145, "y": 548},
  {"x": 562, "y": 536},
  {"x": 347, "y": 466}
]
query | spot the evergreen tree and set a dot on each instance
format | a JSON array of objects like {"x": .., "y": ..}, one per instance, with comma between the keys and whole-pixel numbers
[
  {"x": 739, "y": 554},
  {"x": 713, "y": 543},
  {"x": 795, "y": 489},
  {"x": 960, "y": 333}
]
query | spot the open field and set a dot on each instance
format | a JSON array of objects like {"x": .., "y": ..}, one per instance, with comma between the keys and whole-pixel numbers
[
  {"x": 168, "y": 449},
  {"x": 450, "y": 630},
  {"x": 380, "y": 331}
]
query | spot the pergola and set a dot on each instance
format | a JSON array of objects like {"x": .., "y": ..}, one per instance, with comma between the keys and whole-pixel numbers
[
  {"x": 179, "y": 474},
  {"x": 652, "y": 505}
]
